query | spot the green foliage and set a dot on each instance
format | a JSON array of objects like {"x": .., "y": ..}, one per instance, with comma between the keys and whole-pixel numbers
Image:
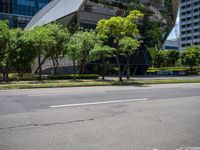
[
  {"x": 153, "y": 35},
  {"x": 129, "y": 45},
  {"x": 160, "y": 58},
  {"x": 172, "y": 57},
  {"x": 79, "y": 47},
  {"x": 21, "y": 56},
  {"x": 157, "y": 21},
  {"x": 4, "y": 40},
  {"x": 39, "y": 39},
  {"x": 101, "y": 52},
  {"x": 191, "y": 56},
  {"x": 15, "y": 53},
  {"x": 166, "y": 58},
  {"x": 117, "y": 28},
  {"x": 71, "y": 76},
  {"x": 59, "y": 36},
  {"x": 153, "y": 53}
]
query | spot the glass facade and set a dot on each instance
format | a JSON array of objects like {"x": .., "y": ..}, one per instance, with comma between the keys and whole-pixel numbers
[{"x": 20, "y": 12}]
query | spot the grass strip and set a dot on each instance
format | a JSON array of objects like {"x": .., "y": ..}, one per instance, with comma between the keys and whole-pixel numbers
[{"x": 86, "y": 83}]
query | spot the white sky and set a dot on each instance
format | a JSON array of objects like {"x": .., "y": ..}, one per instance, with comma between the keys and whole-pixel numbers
[{"x": 173, "y": 33}]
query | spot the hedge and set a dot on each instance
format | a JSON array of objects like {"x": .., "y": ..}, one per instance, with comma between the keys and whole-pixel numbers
[
  {"x": 13, "y": 77},
  {"x": 71, "y": 76}
]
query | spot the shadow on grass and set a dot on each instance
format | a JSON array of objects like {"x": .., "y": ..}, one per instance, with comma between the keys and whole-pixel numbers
[{"x": 128, "y": 83}]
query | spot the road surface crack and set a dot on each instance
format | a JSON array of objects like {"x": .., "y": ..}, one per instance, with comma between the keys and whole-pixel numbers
[
  {"x": 61, "y": 123},
  {"x": 46, "y": 124}
]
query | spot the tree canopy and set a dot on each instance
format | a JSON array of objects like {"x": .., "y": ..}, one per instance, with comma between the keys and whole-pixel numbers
[
  {"x": 191, "y": 56},
  {"x": 117, "y": 28}
]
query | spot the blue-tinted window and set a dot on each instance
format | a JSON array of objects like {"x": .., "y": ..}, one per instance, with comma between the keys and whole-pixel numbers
[
  {"x": 19, "y": 12},
  {"x": 22, "y": 7}
]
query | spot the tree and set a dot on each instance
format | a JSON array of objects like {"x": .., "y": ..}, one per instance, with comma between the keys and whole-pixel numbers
[
  {"x": 172, "y": 57},
  {"x": 118, "y": 27},
  {"x": 79, "y": 47},
  {"x": 73, "y": 50},
  {"x": 59, "y": 37},
  {"x": 128, "y": 46},
  {"x": 21, "y": 55},
  {"x": 160, "y": 58},
  {"x": 191, "y": 56},
  {"x": 88, "y": 39},
  {"x": 4, "y": 45},
  {"x": 102, "y": 52},
  {"x": 39, "y": 39},
  {"x": 15, "y": 56},
  {"x": 153, "y": 54}
]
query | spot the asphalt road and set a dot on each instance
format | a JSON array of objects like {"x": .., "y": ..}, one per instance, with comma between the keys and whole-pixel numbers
[{"x": 163, "y": 117}]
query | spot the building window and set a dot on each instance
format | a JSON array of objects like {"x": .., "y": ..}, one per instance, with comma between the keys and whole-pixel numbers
[
  {"x": 196, "y": 17},
  {"x": 183, "y": 26},
  {"x": 189, "y": 31},
  {"x": 188, "y": 25},
  {"x": 196, "y": 37},
  {"x": 196, "y": 24},
  {"x": 195, "y": 30},
  {"x": 188, "y": 44},
  {"x": 183, "y": 32},
  {"x": 182, "y": 39},
  {"x": 183, "y": 45}
]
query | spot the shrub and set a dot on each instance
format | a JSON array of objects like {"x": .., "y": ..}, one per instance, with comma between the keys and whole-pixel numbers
[{"x": 71, "y": 76}]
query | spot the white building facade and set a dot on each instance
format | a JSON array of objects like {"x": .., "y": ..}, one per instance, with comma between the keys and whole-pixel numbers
[{"x": 189, "y": 23}]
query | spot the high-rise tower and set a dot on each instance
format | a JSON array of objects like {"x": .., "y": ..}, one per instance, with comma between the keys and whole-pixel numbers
[{"x": 189, "y": 23}]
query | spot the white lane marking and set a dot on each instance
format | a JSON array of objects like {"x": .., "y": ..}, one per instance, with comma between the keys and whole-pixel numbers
[
  {"x": 99, "y": 103},
  {"x": 63, "y": 94}
]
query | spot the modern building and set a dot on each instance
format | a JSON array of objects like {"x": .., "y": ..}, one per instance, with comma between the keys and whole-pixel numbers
[
  {"x": 82, "y": 12},
  {"x": 89, "y": 11},
  {"x": 171, "y": 44},
  {"x": 189, "y": 23},
  {"x": 20, "y": 12},
  {"x": 86, "y": 13}
]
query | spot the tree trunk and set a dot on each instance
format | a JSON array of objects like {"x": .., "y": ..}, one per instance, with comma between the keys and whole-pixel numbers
[
  {"x": 124, "y": 69},
  {"x": 74, "y": 68},
  {"x": 128, "y": 68},
  {"x": 4, "y": 74},
  {"x": 40, "y": 67},
  {"x": 57, "y": 65},
  {"x": 7, "y": 75},
  {"x": 191, "y": 69},
  {"x": 82, "y": 67},
  {"x": 135, "y": 70},
  {"x": 54, "y": 66},
  {"x": 103, "y": 68},
  {"x": 82, "y": 71},
  {"x": 119, "y": 66}
]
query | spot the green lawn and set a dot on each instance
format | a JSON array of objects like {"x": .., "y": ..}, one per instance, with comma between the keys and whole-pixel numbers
[{"x": 81, "y": 83}]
